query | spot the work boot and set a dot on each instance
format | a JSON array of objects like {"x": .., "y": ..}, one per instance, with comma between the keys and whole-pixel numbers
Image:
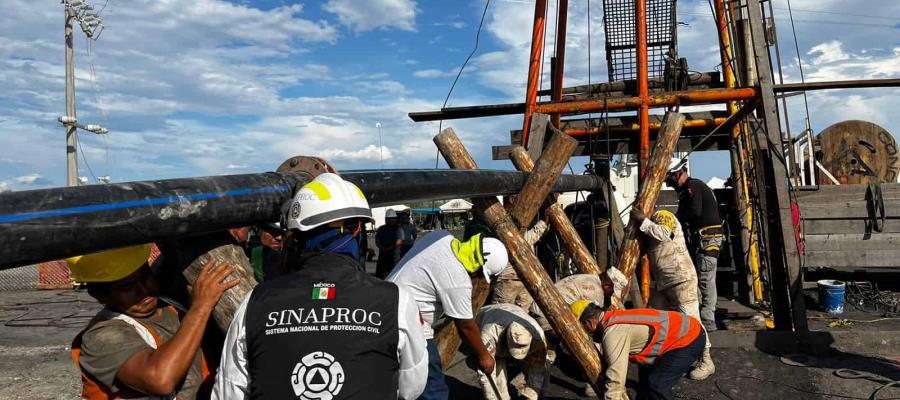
[{"x": 705, "y": 367}]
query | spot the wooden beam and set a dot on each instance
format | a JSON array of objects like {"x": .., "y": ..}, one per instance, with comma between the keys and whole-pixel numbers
[
  {"x": 630, "y": 252},
  {"x": 536, "y": 189},
  {"x": 526, "y": 264},
  {"x": 537, "y": 133},
  {"x": 189, "y": 255},
  {"x": 789, "y": 309},
  {"x": 571, "y": 241}
]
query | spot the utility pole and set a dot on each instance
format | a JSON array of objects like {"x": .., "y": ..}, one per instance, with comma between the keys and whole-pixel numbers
[
  {"x": 92, "y": 27},
  {"x": 71, "y": 129}
]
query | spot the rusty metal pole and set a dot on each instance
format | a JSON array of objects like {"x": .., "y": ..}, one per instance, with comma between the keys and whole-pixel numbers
[
  {"x": 559, "y": 65},
  {"x": 526, "y": 264},
  {"x": 644, "y": 121},
  {"x": 572, "y": 243},
  {"x": 630, "y": 251},
  {"x": 534, "y": 65}
]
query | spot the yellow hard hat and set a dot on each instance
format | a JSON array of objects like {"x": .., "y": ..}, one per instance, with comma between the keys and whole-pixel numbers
[
  {"x": 665, "y": 218},
  {"x": 109, "y": 265},
  {"x": 578, "y": 307}
]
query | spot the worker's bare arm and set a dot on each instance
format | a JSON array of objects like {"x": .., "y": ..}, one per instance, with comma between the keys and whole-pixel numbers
[
  {"x": 158, "y": 372},
  {"x": 469, "y": 332}
]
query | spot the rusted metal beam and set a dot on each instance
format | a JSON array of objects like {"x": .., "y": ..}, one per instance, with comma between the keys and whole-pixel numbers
[
  {"x": 562, "y": 15},
  {"x": 612, "y": 104},
  {"x": 630, "y": 251},
  {"x": 698, "y": 80},
  {"x": 851, "y": 84},
  {"x": 526, "y": 264},
  {"x": 534, "y": 65}
]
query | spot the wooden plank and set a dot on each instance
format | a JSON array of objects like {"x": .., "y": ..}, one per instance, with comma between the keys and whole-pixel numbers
[
  {"x": 839, "y": 209},
  {"x": 852, "y": 242},
  {"x": 835, "y": 226},
  {"x": 854, "y": 258},
  {"x": 536, "y": 135},
  {"x": 826, "y": 193}
]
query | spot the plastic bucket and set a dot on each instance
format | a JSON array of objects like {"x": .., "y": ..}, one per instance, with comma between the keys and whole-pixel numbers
[{"x": 831, "y": 295}]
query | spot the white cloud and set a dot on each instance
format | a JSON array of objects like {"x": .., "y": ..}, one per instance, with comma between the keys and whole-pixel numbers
[
  {"x": 828, "y": 52},
  {"x": 369, "y": 153},
  {"x": 236, "y": 166},
  {"x": 30, "y": 179},
  {"x": 367, "y": 15},
  {"x": 4, "y": 187},
  {"x": 431, "y": 73}
]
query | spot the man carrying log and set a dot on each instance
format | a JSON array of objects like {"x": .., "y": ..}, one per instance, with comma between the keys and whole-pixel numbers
[
  {"x": 675, "y": 280},
  {"x": 664, "y": 344},
  {"x": 698, "y": 210},
  {"x": 138, "y": 346},
  {"x": 438, "y": 271},
  {"x": 327, "y": 329}
]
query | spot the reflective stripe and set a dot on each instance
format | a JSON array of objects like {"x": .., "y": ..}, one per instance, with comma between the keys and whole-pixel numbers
[
  {"x": 685, "y": 325},
  {"x": 344, "y": 213}
]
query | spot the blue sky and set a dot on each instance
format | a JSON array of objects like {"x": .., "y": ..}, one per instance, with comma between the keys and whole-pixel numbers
[{"x": 208, "y": 87}]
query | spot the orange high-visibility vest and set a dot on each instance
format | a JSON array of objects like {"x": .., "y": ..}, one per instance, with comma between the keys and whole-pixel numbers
[
  {"x": 91, "y": 389},
  {"x": 669, "y": 330}
]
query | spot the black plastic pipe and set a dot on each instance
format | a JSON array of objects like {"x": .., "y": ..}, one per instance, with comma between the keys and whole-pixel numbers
[{"x": 49, "y": 224}]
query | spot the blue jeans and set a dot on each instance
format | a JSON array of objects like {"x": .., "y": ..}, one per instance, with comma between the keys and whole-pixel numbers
[
  {"x": 655, "y": 381},
  {"x": 435, "y": 387}
]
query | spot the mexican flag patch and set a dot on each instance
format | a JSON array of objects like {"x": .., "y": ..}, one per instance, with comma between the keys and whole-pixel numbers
[{"x": 323, "y": 293}]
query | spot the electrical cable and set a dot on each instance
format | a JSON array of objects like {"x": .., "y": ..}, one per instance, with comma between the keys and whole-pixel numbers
[
  {"x": 84, "y": 157},
  {"x": 437, "y": 152},
  {"x": 799, "y": 63},
  {"x": 801, "y": 390}
]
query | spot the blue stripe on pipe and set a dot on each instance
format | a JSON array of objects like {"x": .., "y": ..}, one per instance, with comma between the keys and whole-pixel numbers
[{"x": 135, "y": 203}]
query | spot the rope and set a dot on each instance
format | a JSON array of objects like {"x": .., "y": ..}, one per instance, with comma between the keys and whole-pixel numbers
[{"x": 799, "y": 63}]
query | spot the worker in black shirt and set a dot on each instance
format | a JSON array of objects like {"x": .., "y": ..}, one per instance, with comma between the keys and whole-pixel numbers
[
  {"x": 326, "y": 329},
  {"x": 698, "y": 212}
]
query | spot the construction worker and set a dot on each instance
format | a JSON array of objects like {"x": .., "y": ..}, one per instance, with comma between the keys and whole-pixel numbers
[
  {"x": 388, "y": 238},
  {"x": 265, "y": 253},
  {"x": 508, "y": 288},
  {"x": 410, "y": 232},
  {"x": 139, "y": 346},
  {"x": 698, "y": 210},
  {"x": 354, "y": 337},
  {"x": 438, "y": 271},
  {"x": 573, "y": 288},
  {"x": 512, "y": 337},
  {"x": 674, "y": 277},
  {"x": 664, "y": 344},
  {"x": 583, "y": 286}
]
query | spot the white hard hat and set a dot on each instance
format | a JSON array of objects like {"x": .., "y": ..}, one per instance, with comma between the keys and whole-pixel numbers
[
  {"x": 390, "y": 213},
  {"x": 326, "y": 199},
  {"x": 495, "y": 257},
  {"x": 676, "y": 164}
]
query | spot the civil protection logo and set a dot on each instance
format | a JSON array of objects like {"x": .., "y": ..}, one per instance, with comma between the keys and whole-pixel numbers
[{"x": 318, "y": 376}]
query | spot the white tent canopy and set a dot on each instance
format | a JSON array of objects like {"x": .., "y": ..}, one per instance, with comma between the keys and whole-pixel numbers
[
  {"x": 378, "y": 212},
  {"x": 456, "y": 205}
]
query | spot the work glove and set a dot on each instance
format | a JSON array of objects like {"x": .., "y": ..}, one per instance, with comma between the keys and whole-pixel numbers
[
  {"x": 618, "y": 279},
  {"x": 637, "y": 215}
]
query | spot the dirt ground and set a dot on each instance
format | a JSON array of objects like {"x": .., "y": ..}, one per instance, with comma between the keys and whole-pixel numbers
[{"x": 37, "y": 327}]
